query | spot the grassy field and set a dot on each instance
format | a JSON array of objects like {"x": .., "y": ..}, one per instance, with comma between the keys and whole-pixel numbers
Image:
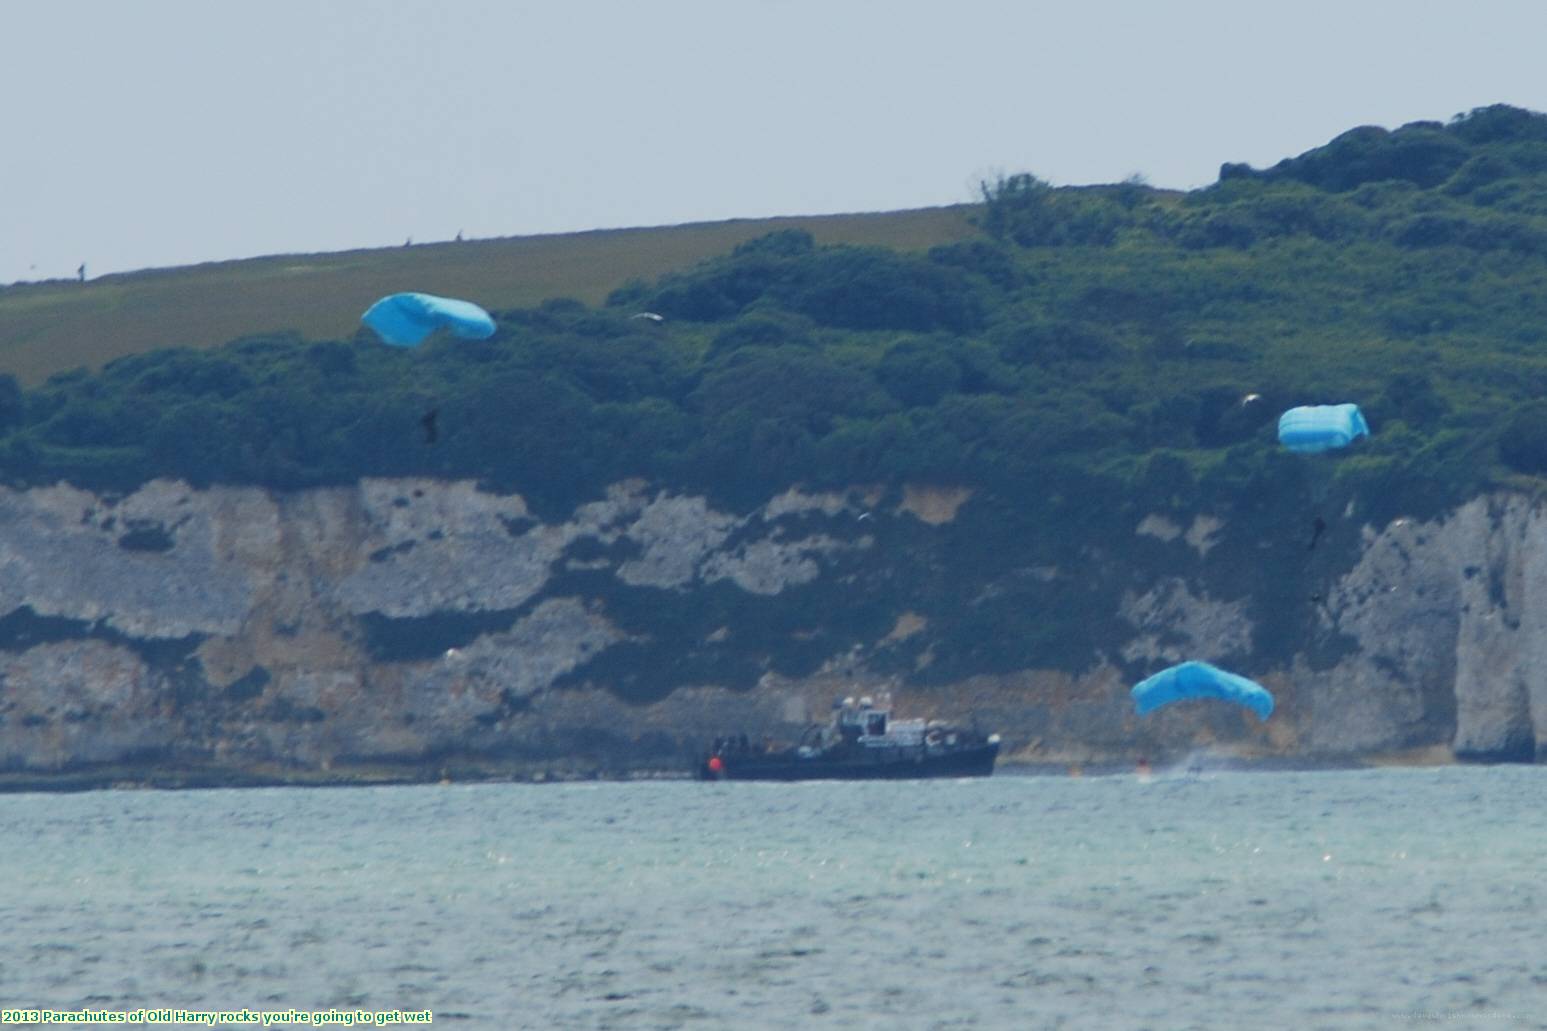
[{"x": 52, "y": 327}]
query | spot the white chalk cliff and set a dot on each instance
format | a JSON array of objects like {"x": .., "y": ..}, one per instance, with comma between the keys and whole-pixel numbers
[{"x": 407, "y": 621}]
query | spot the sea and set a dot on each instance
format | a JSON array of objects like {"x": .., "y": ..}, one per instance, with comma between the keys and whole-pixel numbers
[{"x": 1194, "y": 897}]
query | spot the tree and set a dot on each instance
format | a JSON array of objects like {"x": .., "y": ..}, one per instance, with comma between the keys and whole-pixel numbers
[
  {"x": 1018, "y": 208},
  {"x": 917, "y": 374}
]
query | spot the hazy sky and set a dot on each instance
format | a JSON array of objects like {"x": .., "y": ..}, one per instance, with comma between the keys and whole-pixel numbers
[{"x": 154, "y": 133}]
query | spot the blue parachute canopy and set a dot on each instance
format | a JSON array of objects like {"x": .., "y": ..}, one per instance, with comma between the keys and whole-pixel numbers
[
  {"x": 1321, "y": 427},
  {"x": 1200, "y": 680},
  {"x": 404, "y": 320}
]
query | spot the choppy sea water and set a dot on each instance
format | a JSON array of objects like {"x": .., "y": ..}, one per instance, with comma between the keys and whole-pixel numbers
[{"x": 1349, "y": 899}]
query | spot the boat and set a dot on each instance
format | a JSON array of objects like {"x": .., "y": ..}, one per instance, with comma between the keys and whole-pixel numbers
[{"x": 861, "y": 742}]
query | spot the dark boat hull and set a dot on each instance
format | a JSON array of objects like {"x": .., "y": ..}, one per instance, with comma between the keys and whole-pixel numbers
[{"x": 972, "y": 761}]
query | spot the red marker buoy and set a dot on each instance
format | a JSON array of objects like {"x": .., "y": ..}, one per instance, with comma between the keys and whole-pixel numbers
[{"x": 716, "y": 765}]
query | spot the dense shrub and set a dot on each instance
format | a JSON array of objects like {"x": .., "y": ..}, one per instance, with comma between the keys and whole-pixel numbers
[
  {"x": 1026, "y": 211},
  {"x": 846, "y": 287},
  {"x": 871, "y": 288},
  {"x": 1523, "y": 438},
  {"x": 980, "y": 258},
  {"x": 1421, "y": 153},
  {"x": 1085, "y": 332}
]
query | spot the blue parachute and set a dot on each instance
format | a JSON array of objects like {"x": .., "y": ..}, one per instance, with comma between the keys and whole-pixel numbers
[
  {"x": 404, "y": 320},
  {"x": 1200, "y": 680},
  {"x": 1314, "y": 428}
]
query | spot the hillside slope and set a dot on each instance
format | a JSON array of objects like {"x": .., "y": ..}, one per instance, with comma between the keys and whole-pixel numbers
[
  {"x": 55, "y": 326},
  {"x": 1059, "y": 431}
]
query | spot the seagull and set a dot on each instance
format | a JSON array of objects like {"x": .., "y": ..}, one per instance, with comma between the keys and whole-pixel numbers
[{"x": 652, "y": 316}]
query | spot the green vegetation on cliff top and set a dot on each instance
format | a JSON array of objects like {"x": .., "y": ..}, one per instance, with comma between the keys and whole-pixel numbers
[{"x": 1080, "y": 356}]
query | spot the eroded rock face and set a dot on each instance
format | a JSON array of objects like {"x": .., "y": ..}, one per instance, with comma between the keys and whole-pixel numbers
[
  {"x": 234, "y": 625},
  {"x": 151, "y": 566},
  {"x": 68, "y": 704},
  {"x": 405, "y": 620}
]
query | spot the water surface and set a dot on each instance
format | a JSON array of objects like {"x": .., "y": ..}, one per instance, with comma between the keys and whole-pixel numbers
[{"x": 1348, "y": 899}]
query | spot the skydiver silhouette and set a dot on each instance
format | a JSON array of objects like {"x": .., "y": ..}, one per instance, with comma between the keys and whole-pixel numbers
[
  {"x": 431, "y": 435},
  {"x": 1318, "y": 528}
]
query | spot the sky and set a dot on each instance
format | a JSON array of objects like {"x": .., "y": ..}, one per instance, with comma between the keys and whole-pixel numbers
[{"x": 173, "y": 132}]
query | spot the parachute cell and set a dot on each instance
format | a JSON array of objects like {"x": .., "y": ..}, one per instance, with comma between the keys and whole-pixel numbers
[
  {"x": 404, "y": 320},
  {"x": 1200, "y": 680},
  {"x": 1312, "y": 428}
]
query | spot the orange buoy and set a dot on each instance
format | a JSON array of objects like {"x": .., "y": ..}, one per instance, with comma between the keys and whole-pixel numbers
[{"x": 716, "y": 765}]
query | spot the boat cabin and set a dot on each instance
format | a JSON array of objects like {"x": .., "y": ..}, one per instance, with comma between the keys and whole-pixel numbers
[{"x": 869, "y": 722}]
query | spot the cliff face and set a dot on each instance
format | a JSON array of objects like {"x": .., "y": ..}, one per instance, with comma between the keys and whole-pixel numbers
[{"x": 410, "y": 623}]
